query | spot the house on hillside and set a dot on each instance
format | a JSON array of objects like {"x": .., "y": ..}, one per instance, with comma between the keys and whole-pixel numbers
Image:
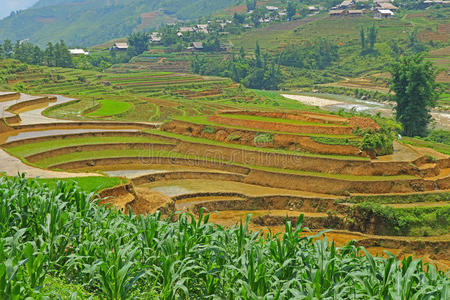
[
  {"x": 120, "y": 47},
  {"x": 346, "y": 4},
  {"x": 78, "y": 52},
  {"x": 383, "y": 14},
  {"x": 155, "y": 38},
  {"x": 197, "y": 46},
  {"x": 336, "y": 13},
  {"x": 202, "y": 28},
  {"x": 355, "y": 12},
  {"x": 186, "y": 29},
  {"x": 389, "y": 6},
  {"x": 313, "y": 9},
  {"x": 271, "y": 8}
]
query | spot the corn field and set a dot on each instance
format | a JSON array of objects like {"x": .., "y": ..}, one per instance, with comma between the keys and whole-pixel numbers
[{"x": 59, "y": 233}]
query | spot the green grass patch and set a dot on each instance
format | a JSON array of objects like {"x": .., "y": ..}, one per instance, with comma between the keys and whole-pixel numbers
[
  {"x": 401, "y": 198},
  {"x": 110, "y": 108},
  {"x": 442, "y": 148},
  {"x": 33, "y": 148}
]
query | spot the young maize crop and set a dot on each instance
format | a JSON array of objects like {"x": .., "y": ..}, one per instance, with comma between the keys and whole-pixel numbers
[{"x": 60, "y": 233}]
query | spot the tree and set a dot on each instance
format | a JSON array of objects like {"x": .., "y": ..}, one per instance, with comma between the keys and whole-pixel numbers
[
  {"x": 138, "y": 43},
  {"x": 413, "y": 81},
  {"x": 372, "y": 36},
  {"x": 238, "y": 18},
  {"x": 363, "y": 38},
  {"x": 251, "y": 4},
  {"x": 7, "y": 48},
  {"x": 291, "y": 9}
]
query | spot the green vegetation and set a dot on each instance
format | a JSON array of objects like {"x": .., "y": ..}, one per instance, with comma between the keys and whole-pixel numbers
[
  {"x": 413, "y": 81},
  {"x": 399, "y": 198},
  {"x": 417, "y": 221},
  {"x": 89, "y": 184},
  {"x": 110, "y": 108},
  {"x": 279, "y": 120},
  {"x": 418, "y": 142},
  {"x": 51, "y": 237}
]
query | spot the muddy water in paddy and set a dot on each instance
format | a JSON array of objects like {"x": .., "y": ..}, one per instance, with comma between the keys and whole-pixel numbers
[
  {"x": 139, "y": 170},
  {"x": 178, "y": 187}
]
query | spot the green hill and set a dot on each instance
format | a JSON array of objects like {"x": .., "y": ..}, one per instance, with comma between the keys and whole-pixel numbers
[{"x": 85, "y": 23}]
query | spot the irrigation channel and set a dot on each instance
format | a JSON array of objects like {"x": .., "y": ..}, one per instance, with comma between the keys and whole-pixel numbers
[{"x": 168, "y": 172}]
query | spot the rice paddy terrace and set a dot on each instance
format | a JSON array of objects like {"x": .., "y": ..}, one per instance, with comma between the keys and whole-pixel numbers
[{"x": 231, "y": 151}]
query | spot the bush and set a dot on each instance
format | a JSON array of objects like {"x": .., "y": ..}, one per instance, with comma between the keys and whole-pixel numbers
[
  {"x": 380, "y": 143},
  {"x": 209, "y": 129},
  {"x": 263, "y": 138}
]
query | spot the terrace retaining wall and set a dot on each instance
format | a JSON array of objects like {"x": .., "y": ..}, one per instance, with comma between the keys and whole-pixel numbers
[
  {"x": 87, "y": 124},
  {"x": 9, "y": 96},
  {"x": 336, "y": 186},
  {"x": 87, "y": 135},
  {"x": 188, "y": 175},
  {"x": 288, "y": 141},
  {"x": 297, "y": 162},
  {"x": 283, "y": 127},
  {"x": 16, "y": 108},
  {"x": 98, "y": 147},
  {"x": 142, "y": 161}
]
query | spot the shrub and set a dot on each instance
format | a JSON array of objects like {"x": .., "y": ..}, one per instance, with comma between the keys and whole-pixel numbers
[
  {"x": 209, "y": 129},
  {"x": 263, "y": 138},
  {"x": 380, "y": 143}
]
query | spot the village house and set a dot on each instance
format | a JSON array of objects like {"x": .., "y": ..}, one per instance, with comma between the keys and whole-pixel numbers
[
  {"x": 202, "y": 28},
  {"x": 389, "y": 6},
  {"x": 355, "y": 13},
  {"x": 271, "y": 8},
  {"x": 186, "y": 29},
  {"x": 78, "y": 52},
  {"x": 336, "y": 13},
  {"x": 383, "y": 14},
  {"x": 313, "y": 9},
  {"x": 346, "y": 4},
  {"x": 120, "y": 47},
  {"x": 197, "y": 46},
  {"x": 155, "y": 37}
]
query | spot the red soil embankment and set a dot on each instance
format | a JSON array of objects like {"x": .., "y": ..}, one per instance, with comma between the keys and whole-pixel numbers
[
  {"x": 297, "y": 162},
  {"x": 149, "y": 161},
  {"x": 336, "y": 186},
  {"x": 275, "y": 202},
  {"x": 188, "y": 175},
  {"x": 283, "y": 127},
  {"x": 247, "y": 137}
]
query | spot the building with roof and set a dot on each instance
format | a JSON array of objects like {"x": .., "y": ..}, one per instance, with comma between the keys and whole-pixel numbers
[
  {"x": 336, "y": 13},
  {"x": 383, "y": 14},
  {"x": 389, "y": 6},
  {"x": 355, "y": 12},
  {"x": 120, "y": 47},
  {"x": 78, "y": 52}
]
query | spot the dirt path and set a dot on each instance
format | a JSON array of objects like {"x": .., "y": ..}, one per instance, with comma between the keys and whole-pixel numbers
[{"x": 12, "y": 166}]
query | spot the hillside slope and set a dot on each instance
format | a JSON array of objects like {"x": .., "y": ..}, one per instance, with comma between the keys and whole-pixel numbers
[{"x": 88, "y": 22}]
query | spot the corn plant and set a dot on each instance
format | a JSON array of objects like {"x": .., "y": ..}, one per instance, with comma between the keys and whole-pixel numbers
[{"x": 61, "y": 233}]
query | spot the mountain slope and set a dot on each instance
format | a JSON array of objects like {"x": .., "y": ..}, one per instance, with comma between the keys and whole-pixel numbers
[{"x": 89, "y": 22}]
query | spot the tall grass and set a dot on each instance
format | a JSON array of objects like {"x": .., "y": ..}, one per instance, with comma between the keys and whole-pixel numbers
[{"x": 59, "y": 232}]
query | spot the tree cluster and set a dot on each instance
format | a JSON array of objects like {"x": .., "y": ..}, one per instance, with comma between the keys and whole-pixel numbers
[
  {"x": 259, "y": 71},
  {"x": 316, "y": 55},
  {"x": 368, "y": 43},
  {"x": 54, "y": 55}
]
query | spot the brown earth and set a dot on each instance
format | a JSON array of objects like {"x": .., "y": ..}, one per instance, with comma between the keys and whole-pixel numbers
[
  {"x": 274, "y": 126},
  {"x": 247, "y": 137},
  {"x": 9, "y": 96},
  {"x": 98, "y": 147}
]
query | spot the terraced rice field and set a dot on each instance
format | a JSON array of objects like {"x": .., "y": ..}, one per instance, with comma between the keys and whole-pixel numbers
[{"x": 232, "y": 157}]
